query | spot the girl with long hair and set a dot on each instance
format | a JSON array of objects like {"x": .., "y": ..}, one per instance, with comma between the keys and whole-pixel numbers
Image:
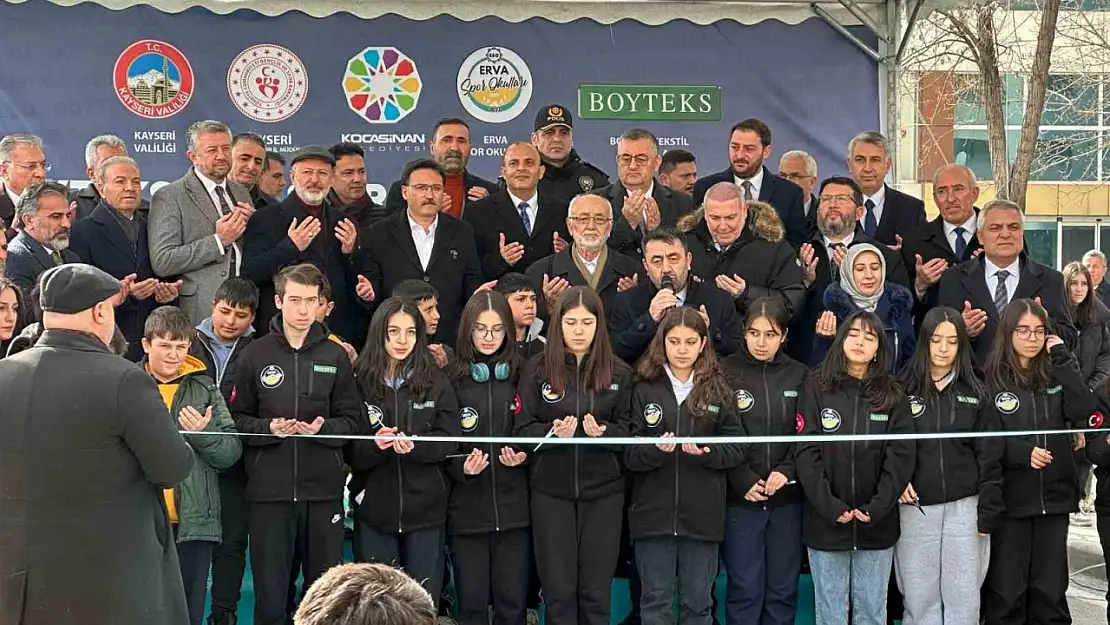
[
  {"x": 1034, "y": 384},
  {"x": 12, "y": 314},
  {"x": 677, "y": 513},
  {"x": 487, "y": 514},
  {"x": 763, "y": 540},
  {"x": 954, "y": 499},
  {"x": 852, "y": 487},
  {"x": 576, "y": 388},
  {"x": 402, "y": 514}
]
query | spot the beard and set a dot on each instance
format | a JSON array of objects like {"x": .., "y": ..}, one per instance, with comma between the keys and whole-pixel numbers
[
  {"x": 839, "y": 229},
  {"x": 310, "y": 196}
]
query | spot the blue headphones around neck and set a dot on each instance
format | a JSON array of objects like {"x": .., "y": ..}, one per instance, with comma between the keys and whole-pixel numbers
[{"x": 479, "y": 372}]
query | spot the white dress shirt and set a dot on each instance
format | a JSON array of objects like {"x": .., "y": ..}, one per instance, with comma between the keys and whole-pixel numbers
[
  {"x": 829, "y": 243},
  {"x": 532, "y": 210},
  {"x": 990, "y": 269},
  {"x": 591, "y": 265},
  {"x": 681, "y": 389},
  {"x": 210, "y": 187},
  {"x": 879, "y": 199},
  {"x": 643, "y": 211},
  {"x": 424, "y": 240},
  {"x": 756, "y": 180},
  {"x": 13, "y": 196},
  {"x": 969, "y": 231}
]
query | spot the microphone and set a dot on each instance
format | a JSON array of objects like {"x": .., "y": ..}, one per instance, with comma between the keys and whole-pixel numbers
[{"x": 669, "y": 282}]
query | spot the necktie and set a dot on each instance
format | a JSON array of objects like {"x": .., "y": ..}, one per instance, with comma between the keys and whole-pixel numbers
[
  {"x": 870, "y": 224},
  {"x": 56, "y": 257},
  {"x": 961, "y": 245},
  {"x": 834, "y": 267},
  {"x": 748, "y": 191},
  {"x": 1001, "y": 293},
  {"x": 223, "y": 207},
  {"x": 523, "y": 207}
]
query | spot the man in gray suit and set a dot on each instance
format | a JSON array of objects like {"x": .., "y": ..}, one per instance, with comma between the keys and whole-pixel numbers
[{"x": 196, "y": 223}]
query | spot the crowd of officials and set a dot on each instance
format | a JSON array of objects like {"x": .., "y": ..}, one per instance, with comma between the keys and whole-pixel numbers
[{"x": 552, "y": 303}]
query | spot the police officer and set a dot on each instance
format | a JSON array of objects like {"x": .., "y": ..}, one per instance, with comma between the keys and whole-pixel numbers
[{"x": 565, "y": 173}]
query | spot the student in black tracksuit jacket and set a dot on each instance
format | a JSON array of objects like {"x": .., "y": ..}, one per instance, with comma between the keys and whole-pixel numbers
[
  {"x": 763, "y": 542},
  {"x": 852, "y": 488},
  {"x": 677, "y": 516},
  {"x": 402, "y": 513},
  {"x": 1035, "y": 384},
  {"x": 1098, "y": 452},
  {"x": 954, "y": 499},
  {"x": 293, "y": 383},
  {"x": 487, "y": 515},
  {"x": 576, "y": 388}
]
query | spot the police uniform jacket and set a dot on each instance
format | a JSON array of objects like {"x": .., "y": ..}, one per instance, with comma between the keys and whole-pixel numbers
[{"x": 575, "y": 177}]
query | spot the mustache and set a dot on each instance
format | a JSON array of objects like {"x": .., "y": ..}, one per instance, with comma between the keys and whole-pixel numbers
[{"x": 453, "y": 154}]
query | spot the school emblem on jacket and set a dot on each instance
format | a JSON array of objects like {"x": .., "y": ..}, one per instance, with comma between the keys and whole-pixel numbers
[
  {"x": 653, "y": 414},
  {"x": 374, "y": 414},
  {"x": 1007, "y": 403},
  {"x": 549, "y": 394},
  {"x": 917, "y": 406},
  {"x": 586, "y": 183},
  {"x": 469, "y": 419},
  {"x": 830, "y": 420},
  {"x": 271, "y": 376},
  {"x": 744, "y": 400}
]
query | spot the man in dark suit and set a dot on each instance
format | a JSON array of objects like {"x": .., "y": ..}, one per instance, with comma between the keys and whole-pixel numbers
[
  {"x": 981, "y": 287},
  {"x": 113, "y": 239},
  {"x": 640, "y": 203},
  {"x": 450, "y": 147},
  {"x": 749, "y": 146},
  {"x": 423, "y": 243},
  {"x": 1095, "y": 262},
  {"x": 43, "y": 239},
  {"x": 348, "y": 186},
  {"x": 305, "y": 228},
  {"x": 946, "y": 241},
  {"x": 639, "y": 310},
  {"x": 22, "y": 164},
  {"x": 839, "y": 210},
  {"x": 801, "y": 169},
  {"x": 887, "y": 212},
  {"x": 99, "y": 149},
  {"x": 248, "y": 159},
  {"x": 516, "y": 225}
]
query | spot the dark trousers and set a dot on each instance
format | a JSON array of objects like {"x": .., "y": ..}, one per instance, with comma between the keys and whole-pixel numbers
[
  {"x": 314, "y": 528},
  {"x": 1102, "y": 523},
  {"x": 229, "y": 559},
  {"x": 763, "y": 557},
  {"x": 195, "y": 556},
  {"x": 576, "y": 545},
  {"x": 492, "y": 569},
  {"x": 419, "y": 553},
  {"x": 1027, "y": 581},
  {"x": 626, "y": 565},
  {"x": 695, "y": 562}
]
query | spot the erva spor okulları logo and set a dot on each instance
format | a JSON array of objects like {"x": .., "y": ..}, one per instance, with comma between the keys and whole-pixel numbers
[
  {"x": 495, "y": 84},
  {"x": 382, "y": 85},
  {"x": 267, "y": 83},
  {"x": 153, "y": 79}
]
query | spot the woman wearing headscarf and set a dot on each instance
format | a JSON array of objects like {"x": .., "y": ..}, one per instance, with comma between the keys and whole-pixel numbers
[{"x": 863, "y": 286}]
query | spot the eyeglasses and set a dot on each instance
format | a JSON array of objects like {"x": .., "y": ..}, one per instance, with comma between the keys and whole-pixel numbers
[
  {"x": 1025, "y": 332},
  {"x": 425, "y": 188},
  {"x": 482, "y": 332},
  {"x": 597, "y": 220},
  {"x": 793, "y": 176},
  {"x": 626, "y": 159},
  {"x": 837, "y": 199},
  {"x": 43, "y": 165}
]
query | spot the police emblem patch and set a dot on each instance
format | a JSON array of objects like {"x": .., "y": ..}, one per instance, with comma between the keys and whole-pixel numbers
[
  {"x": 1007, "y": 403},
  {"x": 653, "y": 415},
  {"x": 469, "y": 419},
  {"x": 744, "y": 400},
  {"x": 549, "y": 394},
  {"x": 586, "y": 183},
  {"x": 830, "y": 420},
  {"x": 271, "y": 376}
]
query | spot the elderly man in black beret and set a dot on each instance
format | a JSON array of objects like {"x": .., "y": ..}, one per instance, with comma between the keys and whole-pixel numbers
[
  {"x": 87, "y": 449},
  {"x": 306, "y": 228}
]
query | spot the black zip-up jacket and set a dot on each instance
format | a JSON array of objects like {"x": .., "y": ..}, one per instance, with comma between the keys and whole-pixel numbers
[
  {"x": 1066, "y": 403},
  {"x": 765, "y": 397},
  {"x": 950, "y": 469},
  {"x": 496, "y": 499},
  {"x": 275, "y": 381},
  {"x": 573, "y": 471},
  {"x": 679, "y": 494},
  {"x": 866, "y": 475},
  {"x": 1098, "y": 452},
  {"x": 201, "y": 348},
  {"x": 407, "y": 492}
]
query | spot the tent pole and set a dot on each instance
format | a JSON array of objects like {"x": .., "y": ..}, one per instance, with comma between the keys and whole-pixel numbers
[
  {"x": 847, "y": 34},
  {"x": 865, "y": 18}
]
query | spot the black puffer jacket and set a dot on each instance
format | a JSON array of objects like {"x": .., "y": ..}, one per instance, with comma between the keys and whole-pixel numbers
[{"x": 1093, "y": 349}]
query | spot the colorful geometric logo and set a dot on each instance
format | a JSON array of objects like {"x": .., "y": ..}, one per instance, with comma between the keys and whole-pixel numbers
[
  {"x": 382, "y": 85},
  {"x": 267, "y": 83},
  {"x": 495, "y": 84},
  {"x": 153, "y": 79}
]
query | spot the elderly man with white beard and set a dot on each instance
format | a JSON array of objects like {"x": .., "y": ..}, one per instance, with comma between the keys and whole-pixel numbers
[{"x": 306, "y": 228}]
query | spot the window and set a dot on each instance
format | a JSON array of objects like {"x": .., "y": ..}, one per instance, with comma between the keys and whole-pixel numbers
[
  {"x": 969, "y": 106},
  {"x": 1079, "y": 238},
  {"x": 971, "y": 148},
  {"x": 1071, "y": 100},
  {"x": 1065, "y": 155},
  {"x": 1040, "y": 241}
]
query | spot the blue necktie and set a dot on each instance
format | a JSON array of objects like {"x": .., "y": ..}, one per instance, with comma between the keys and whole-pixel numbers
[
  {"x": 961, "y": 245},
  {"x": 523, "y": 206},
  {"x": 870, "y": 224}
]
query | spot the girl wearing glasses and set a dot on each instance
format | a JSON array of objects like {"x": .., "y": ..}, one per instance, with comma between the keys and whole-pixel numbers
[
  {"x": 677, "y": 516},
  {"x": 852, "y": 487},
  {"x": 576, "y": 388},
  {"x": 1034, "y": 384},
  {"x": 763, "y": 540},
  {"x": 403, "y": 511},
  {"x": 487, "y": 516},
  {"x": 954, "y": 499}
]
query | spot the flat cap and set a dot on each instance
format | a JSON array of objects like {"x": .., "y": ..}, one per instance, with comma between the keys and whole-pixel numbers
[
  {"x": 553, "y": 115},
  {"x": 75, "y": 287},
  {"x": 314, "y": 152}
]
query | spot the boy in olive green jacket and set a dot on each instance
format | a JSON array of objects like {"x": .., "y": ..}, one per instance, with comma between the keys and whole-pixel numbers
[{"x": 194, "y": 401}]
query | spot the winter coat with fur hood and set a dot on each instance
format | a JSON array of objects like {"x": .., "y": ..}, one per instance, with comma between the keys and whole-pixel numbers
[{"x": 895, "y": 308}]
